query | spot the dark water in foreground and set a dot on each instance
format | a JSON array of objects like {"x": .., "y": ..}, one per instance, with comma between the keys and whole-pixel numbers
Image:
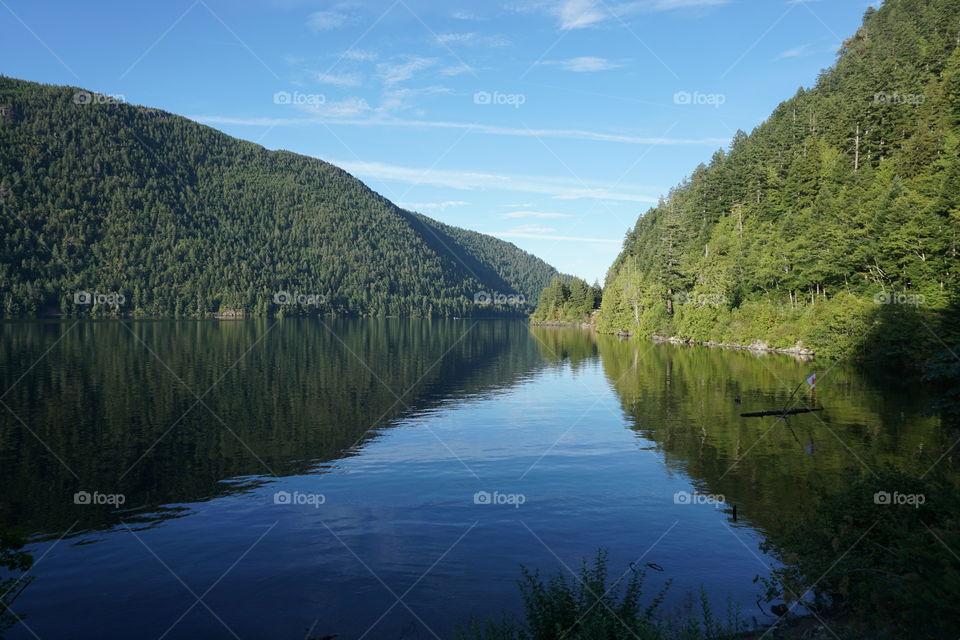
[{"x": 385, "y": 479}]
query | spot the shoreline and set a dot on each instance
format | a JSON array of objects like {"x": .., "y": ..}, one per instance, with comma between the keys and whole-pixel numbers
[
  {"x": 757, "y": 346},
  {"x": 761, "y": 347},
  {"x": 580, "y": 325}
]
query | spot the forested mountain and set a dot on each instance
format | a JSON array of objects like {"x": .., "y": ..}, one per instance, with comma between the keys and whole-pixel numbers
[
  {"x": 835, "y": 223},
  {"x": 154, "y": 214}
]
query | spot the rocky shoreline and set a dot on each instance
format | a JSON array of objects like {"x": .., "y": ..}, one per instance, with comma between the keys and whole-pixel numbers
[
  {"x": 798, "y": 351},
  {"x": 581, "y": 325}
]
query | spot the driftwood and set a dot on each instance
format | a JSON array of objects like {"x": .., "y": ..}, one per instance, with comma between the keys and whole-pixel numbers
[{"x": 786, "y": 412}]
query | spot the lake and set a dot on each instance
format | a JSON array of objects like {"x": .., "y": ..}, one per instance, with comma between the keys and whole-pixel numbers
[{"x": 388, "y": 478}]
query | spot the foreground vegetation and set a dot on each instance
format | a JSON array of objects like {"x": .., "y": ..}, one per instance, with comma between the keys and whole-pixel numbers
[
  {"x": 14, "y": 562},
  {"x": 592, "y": 606},
  {"x": 835, "y": 223},
  {"x": 162, "y": 216},
  {"x": 864, "y": 566}
]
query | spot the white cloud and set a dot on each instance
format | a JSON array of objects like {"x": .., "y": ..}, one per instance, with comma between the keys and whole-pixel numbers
[
  {"x": 795, "y": 52},
  {"x": 540, "y": 236},
  {"x": 577, "y": 14},
  {"x": 394, "y": 72},
  {"x": 571, "y": 134},
  {"x": 533, "y": 214},
  {"x": 584, "y": 64},
  {"x": 343, "y": 80},
  {"x": 472, "y": 39},
  {"x": 532, "y": 228},
  {"x": 346, "y": 108},
  {"x": 456, "y": 70},
  {"x": 529, "y": 204},
  {"x": 468, "y": 180},
  {"x": 359, "y": 55},
  {"x": 326, "y": 20},
  {"x": 432, "y": 206},
  {"x": 669, "y": 5},
  {"x": 403, "y": 98}
]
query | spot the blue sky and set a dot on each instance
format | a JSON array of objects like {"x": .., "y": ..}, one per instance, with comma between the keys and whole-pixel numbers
[{"x": 551, "y": 124}]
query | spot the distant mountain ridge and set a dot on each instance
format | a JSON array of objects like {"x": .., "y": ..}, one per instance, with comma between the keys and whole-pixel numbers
[
  {"x": 173, "y": 218},
  {"x": 834, "y": 225}
]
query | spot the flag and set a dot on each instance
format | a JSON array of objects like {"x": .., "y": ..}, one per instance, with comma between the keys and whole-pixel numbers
[{"x": 812, "y": 380}]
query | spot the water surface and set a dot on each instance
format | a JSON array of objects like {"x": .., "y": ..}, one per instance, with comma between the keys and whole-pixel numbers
[{"x": 344, "y": 476}]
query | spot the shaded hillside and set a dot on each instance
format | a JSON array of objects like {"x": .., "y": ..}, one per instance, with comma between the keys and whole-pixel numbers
[
  {"x": 180, "y": 219},
  {"x": 834, "y": 224}
]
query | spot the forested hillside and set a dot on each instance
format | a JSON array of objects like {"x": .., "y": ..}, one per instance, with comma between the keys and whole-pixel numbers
[
  {"x": 567, "y": 300},
  {"x": 834, "y": 224},
  {"x": 154, "y": 214}
]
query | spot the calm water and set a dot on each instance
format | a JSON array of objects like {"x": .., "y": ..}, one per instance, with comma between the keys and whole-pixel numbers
[{"x": 280, "y": 477}]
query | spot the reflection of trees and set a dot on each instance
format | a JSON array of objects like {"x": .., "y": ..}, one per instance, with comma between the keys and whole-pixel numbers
[
  {"x": 683, "y": 399},
  {"x": 558, "y": 344},
  {"x": 295, "y": 395}
]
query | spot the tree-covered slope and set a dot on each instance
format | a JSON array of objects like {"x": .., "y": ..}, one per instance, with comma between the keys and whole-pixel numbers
[
  {"x": 567, "y": 300},
  {"x": 180, "y": 219},
  {"x": 835, "y": 223}
]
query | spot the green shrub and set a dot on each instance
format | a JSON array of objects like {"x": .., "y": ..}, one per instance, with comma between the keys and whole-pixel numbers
[
  {"x": 15, "y": 561},
  {"x": 592, "y": 607}
]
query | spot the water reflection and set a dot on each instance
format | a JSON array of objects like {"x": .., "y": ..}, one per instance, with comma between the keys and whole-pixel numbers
[
  {"x": 176, "y": 412},
  {"x": 685, "y": 400},
  {"x": 596, "y": 433}
]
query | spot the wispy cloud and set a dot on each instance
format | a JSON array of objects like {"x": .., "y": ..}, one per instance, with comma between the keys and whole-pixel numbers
[
  {"x": 572, "y": 134},
  {"x": 532, "y": 228},
  {"x": 795, "y": 52},
  {"x": 462, "y": 14},
  {"x": 394, "y": 72},
  {"x": 341, "y": 80},
  {"x": 533, "y": 214},
  {"x": 580, "y": 14},
  {"x": 432, "y": 206},
  {"x": 584, "y": 64},
  {"x": 326, "y": 20},
  {"x": 359, "y": 55},
  {"x": 472, "y": 39},
  {"x": 577, "y": 14},
  {"x": 346, "y": 108},
  {"x": 541, "y": 236},
  {"x": 456, "y": 70},
  {"x": 469, "y": 180}
]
